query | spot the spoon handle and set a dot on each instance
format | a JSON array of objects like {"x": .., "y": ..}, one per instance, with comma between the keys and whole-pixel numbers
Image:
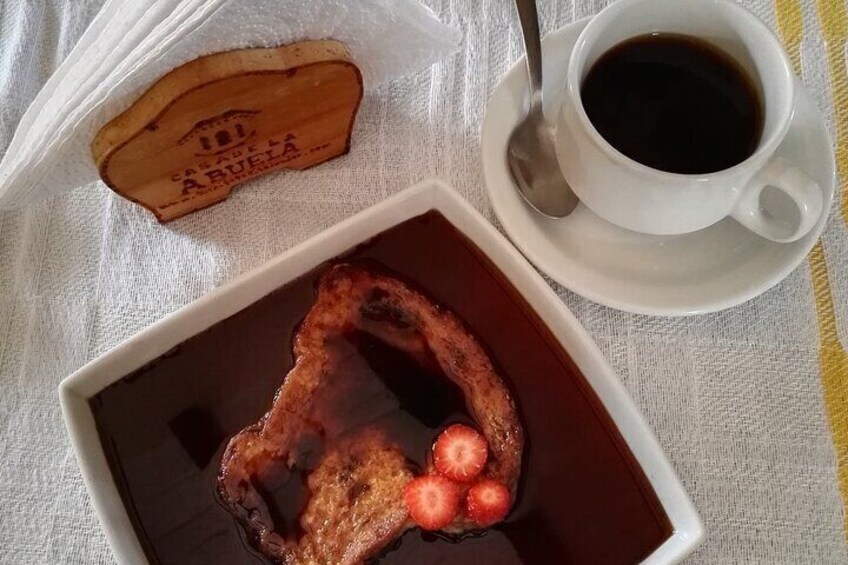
[{"x": 532, "y": 45}]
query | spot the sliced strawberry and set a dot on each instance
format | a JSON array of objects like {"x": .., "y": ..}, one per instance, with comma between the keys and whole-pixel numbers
[
  {"x": 460, "y": 453},
  {"x": 487, "y": 502},
  {"x": 433, "y": 501}
]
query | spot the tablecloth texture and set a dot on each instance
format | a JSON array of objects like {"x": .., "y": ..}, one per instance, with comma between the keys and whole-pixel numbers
[{"x": 749, "y": 403}]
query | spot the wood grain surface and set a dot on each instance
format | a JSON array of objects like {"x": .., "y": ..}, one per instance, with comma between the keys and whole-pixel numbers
[{"x": 222, "y": 119}]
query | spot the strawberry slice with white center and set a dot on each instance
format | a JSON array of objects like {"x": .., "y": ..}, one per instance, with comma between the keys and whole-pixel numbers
[
  {"x": 460, "y": 453},
  {"x": 487, "y": 502},
  {"x": 432, "y": 501}
]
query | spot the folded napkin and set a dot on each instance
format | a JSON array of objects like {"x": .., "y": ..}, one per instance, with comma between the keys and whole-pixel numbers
[{"x": 131, "y": 44}]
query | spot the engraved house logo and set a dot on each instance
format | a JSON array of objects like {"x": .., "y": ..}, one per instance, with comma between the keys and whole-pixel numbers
[
  {"x": 231, "y": 147},
  {"x": 221, "y": 133}
]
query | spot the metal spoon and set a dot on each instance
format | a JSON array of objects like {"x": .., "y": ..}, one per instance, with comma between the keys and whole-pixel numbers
[{"x": 530, "y": 152}]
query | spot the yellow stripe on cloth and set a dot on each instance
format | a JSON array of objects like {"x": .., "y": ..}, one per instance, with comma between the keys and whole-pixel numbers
[
  {"x": 833, "y": 360},
  {"x": 834, "y": 27},
  {"x": 834, "y": 371},
  {"x": 790, "y": 24}
]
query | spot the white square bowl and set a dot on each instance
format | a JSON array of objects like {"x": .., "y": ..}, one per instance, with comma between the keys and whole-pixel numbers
[{"x": 76, "y": 390}]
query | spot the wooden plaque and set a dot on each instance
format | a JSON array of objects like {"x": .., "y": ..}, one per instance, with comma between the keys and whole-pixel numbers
[{"x": 222, "y": 119}]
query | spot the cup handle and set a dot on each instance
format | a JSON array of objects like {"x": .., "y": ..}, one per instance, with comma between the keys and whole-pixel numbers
[{"x": 794, "y": 183}]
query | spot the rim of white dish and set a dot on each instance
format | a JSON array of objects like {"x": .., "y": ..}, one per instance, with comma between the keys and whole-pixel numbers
[{"x": 493, "y": 159}]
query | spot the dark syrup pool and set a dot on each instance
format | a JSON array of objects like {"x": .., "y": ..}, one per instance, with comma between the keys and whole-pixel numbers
[{"x": 582, "y": 497}]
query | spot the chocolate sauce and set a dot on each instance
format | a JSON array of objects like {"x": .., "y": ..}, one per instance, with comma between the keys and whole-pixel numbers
[
  {"x": 382, "y": 387},
  {"x": 582, "y": 497}
]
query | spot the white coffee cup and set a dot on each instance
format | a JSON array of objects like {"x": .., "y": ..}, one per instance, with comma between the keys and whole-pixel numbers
[{"x": 635, "y": 196}]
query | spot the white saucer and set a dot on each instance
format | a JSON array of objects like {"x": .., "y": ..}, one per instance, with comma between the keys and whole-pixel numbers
[{"x": 712, "y": 269}]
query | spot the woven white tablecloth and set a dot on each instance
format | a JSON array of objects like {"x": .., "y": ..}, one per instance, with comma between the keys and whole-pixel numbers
[{"x": 736, "y": 398}]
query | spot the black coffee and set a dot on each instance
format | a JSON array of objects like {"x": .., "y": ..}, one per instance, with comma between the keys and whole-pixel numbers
[{"x": 675, "y": 103}]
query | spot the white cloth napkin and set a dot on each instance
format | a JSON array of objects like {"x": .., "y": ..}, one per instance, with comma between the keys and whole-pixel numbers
[{"x": 130, "y": 44}]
